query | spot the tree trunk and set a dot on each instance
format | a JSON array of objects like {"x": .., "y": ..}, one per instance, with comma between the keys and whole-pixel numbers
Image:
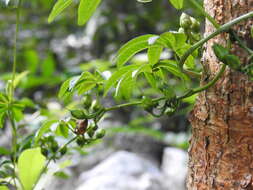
[{"x": 221, "y": 150}]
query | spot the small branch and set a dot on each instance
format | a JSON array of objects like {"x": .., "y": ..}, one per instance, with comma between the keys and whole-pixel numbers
[
  {"x": 132, "y": 104},
  {"x": 222, "y": 29},
  {"x": 205, "y": 87},
  {"x": 50, "y": 159},
  {"x": 15, "y": 49}
]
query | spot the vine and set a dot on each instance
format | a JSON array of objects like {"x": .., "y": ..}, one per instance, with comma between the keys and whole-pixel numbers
[{"x": 83, "y": 123}]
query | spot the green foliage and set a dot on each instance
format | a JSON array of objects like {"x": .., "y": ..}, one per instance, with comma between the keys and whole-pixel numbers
[
  {"x": 30, "y": 165},
  {"x": 4, "y": 188},
  {"x": 159, "y": 84},
  {"x": 86, "y": 9},
  {"x": 58, "y": 8},
  {"x": 178, "y": 4}
]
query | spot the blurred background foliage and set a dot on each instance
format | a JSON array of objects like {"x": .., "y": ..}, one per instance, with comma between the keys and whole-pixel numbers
[{"x": 54, "y": 52}]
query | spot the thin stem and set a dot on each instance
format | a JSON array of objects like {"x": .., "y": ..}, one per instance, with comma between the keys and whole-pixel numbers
[
  {"x": 52, "y": 157},
  {"x": 14, "y": 142},
  {"x": 205, "y": 87},
  {"x": 131, "y": 104},
  {"x": 10, "y": 115},
  {"x": 15, "y": 48},
  {"x": 203, "y": 12},
  {"x": 222, "y": 29}
]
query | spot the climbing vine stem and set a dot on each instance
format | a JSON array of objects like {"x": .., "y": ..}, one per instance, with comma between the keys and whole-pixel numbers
[{"x": 223, "y": 28}]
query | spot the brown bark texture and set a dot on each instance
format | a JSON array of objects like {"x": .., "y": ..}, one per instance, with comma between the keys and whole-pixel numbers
[{"x": 221, "y": 147}]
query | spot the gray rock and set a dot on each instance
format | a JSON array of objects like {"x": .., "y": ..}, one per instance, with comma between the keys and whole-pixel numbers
[
  {"x": 123, "y": 171},
  {"x": 174, "y": 167}
]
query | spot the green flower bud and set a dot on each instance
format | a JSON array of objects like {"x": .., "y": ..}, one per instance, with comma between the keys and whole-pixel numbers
[
  {"x": 100, "y": 134},
  {"x": 95, "y": 127},
  {"x": 91, "y": 132},
  {"x": 54, "y": 146},
  {"x": 44, "y": 151},
  {"x": 181, "y": 30},
  {"x": 80, "y": 141},
  {"x": 63, "y": 150},
  {"x": 78, "y": 114},
  {"x": 87, "y": 101},
  {"x": 170, "y": 111},
  {"x": 185, "y": 21},
  {"x": 195, "y": 26},
  {"x": 95, "y": 106}
]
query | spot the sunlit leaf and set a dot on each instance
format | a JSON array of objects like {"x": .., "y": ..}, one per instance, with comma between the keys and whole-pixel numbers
[
  {"x": 86, "y": 9},
  {"x": 19, "y": 77},
  {"x": 117, "y": 75},
  {"x": 4, "y": 188},
  {"x": 172, "y": 67},
  {"x": 62, "y": 130},
  {"x": 131, "y": 48},
  {"x": 44, "y": 129},
  {"x": 154, "y": 53},
  {"x": 58, "y": 8},
  {"x": 30, "y": 164},
  {"x": 178, "y": 4}
]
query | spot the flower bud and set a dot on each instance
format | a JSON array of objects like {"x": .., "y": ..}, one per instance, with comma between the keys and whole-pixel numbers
[
  {"x": 100, "y": 134},
  {"x": 195, "y": 26},
  {"x": 185, "y": 21}
]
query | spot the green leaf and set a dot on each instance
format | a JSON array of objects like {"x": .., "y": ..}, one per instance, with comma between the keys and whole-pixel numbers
[
  {"x": 17, "y": 114},
  {"x": 61, "y": 175},
  {"x": 172, "y": 67},
  {"x": 62, "y": 130},
  {"x": 132, "y": 47},
  {"x": 63, "y": 92},
  {"x": 2, "y": 117},
  {"x": 126, "y": 87},
  {"x": 48, "y": 66},
  {"x": 220, "y": 51},
  {"x": 169, "y": 39},
  {"x": 154, "y": 53},
  {"x": 151, "y": 79},
  {"x": 32, "y": 60},
  {"x": 4, "y": 188},
  {"x": 86, "y": 86},
  {"x": 44, "y": 129},
  {"x": 4, "y": 151},
  {"x": 19, "y": 77},
  {"x": 86, "y": 9},
  {"x": 58, "y": 8},
  {"x": 224, "y": 56},
  {"x": 117, "y": 75},
  {"x": 30, "y": 164},
  {"x": 178, "y": 4}
]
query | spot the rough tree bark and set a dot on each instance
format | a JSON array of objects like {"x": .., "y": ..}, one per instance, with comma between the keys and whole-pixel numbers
[{"x": 221, "y": 150}]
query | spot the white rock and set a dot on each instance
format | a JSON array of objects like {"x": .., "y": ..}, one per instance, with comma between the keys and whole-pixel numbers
[
  {"x": 174, "y": 167},
  {"x": 123, "y": 171}
]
